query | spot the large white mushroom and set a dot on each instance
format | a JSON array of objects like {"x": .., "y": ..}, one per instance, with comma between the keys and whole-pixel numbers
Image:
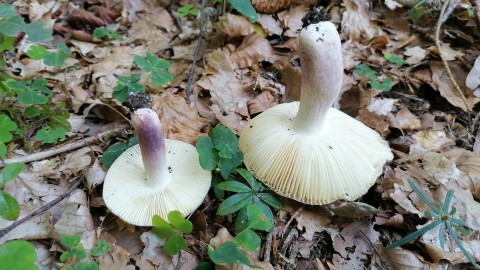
[
  {"x": 307, "y": 150},
  {"x": 154, "y": 177}
]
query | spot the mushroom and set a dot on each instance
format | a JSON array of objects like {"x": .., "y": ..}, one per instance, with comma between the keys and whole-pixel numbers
[
  {"x": 154, "y": 177},
  {"x": 307, "y": 150}
]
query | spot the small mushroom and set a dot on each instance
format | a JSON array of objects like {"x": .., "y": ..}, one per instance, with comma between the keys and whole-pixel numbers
[
  {"x": 307, "y": 150},
  {"x": 154, "y": 177}
]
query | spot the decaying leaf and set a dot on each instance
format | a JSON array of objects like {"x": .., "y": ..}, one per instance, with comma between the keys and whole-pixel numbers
[
  {"x": 253, "y": 49},
  {"x": 235, "y": 25}
]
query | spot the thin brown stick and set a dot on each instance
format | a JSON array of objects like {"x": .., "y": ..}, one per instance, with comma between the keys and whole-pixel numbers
[
  {"x": 191, "y": 73},
  {"x": 41, "y": 209},
  {"x": 64, "y": 148},
  {"x": 441, "y": 19}
]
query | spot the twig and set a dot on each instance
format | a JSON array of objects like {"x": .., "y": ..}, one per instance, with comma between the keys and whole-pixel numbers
[
  {"x": 441, "y": 19},
  {"x": 42, "y": 209},
  {"x": 191, "y": 73},
  {"x": 291, "y": 219},
  {"x": 64, "y": 148}
]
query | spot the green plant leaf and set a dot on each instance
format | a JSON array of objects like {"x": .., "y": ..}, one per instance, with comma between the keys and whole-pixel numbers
[
  {"x": 29, "y": 97},
  {"x": 241, "y": 222},
  {"x": 448, "y": 200},
  {"x": 179, "y": 222},
  {"x": 204, "y": 266},
  {"x": 248, "y": 239},
  {"x": 161, "y": 77},
  {"x": 101, "y": 32},
  {"x": 225, "y": 141},
  {"x": 70, "y": 241},
  {"x": 10, "y": 172},
  {"x": 101, "y": 247},
  {"x": 459, "y": 221},
  {"x": 17, "y": 255},
  {"x": 12, "y": 26},
  {"x": 257, "y": 219},
  {"x": 460, "y": 245},
  {"x": 86, "y": 266},
  {"x": 424, "y": 197},
  {"x": 234, "y": 186},
  {"x": 234, "y": 203},
  {"x": 3, "y": 150},
  {"x": 414, "y": 235},
  {"x": 228, "y": 253},
  {"x": 54, "y": 59},
  {"x": 37, "y": 32},
  {"x": 174, "y": 244},
  {"x": 47, "y": 135},
  {"x": 9, "y": 208},
  {"x": 78, "y": 253},
  {"x": 32, "y": 111},
  {"x": 7, "y": 11},
  {"x": 114, "y": 151},
  {"x": 161, "y": 227},
  {"x": 125, "y": 85},
  {"x": 228, "y": 165},
  {"x": 7, "y": 125},
  {"x": 245, "y": 8},
  {"x": 441, "y": 234},
  {"x": 6, "y": 44},
  {"x": 62, "y": 47},
  {"x": 270, "y": 199},
  {"x": 248, "y": 176},
  {"x": 393, "y": 58},
  {"x": 385, "y": 85},
  {"x": 362, "y": 70},
  {"x": 207, "y": 153},
  {"x": 37, "y": 52}
]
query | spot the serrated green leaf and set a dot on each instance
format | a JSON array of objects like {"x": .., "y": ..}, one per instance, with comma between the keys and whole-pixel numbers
[
  {"x": 101, "y": 247},
  {"x": 37, "y": 32},
  {"x": 208, "y": 155},
  {"x": 234, "y": 186},
  {"x": 17, "y": 255},
  {"x": 12, "y": 26},
  {"x": 10, "y": 172},
  {"x": 270, "y": 199},
  {"x": 245, "y": 8},
  {"x": 248, "y": 239},
  {"x": 174, "y": 244},
  {"x": 234, "y": 203},
  {"x": 228, "y": 253},
  {"x": 70, "y": 241},
  {"x": 9, "y": 208},
  {"x": 161, "y": 227},
  {"x": 179, "y": 222}
]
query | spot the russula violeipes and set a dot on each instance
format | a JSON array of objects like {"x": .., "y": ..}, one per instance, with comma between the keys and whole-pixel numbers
[
  {"x": 154, "y": 177},
  {"x": 307, "y": 150}
]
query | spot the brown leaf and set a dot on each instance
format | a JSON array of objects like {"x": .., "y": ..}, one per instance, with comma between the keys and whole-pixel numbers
[
  {"x": 442, "y": 83},
  {"x": 292, "y": 19},
  {"x": 406, "y": 120},
  {"x": 432, "y": 139},
  {"x": 253, "y": 49},
  {"x": 356, "y": 21},
  {"x": 235, "y": 25},
  {"x": 261, "y": 102}
]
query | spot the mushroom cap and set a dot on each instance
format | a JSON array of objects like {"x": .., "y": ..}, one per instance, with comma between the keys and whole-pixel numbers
[
  {"x": 128, "y": 196},
  {"x": 340, "y": 161}
]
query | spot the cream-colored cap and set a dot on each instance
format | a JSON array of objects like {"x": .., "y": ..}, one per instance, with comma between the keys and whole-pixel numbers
[{"x": 341, "y": 162}]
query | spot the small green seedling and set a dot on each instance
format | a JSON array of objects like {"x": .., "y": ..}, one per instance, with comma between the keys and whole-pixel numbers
[
  {"x": 18, "y": 255},
  {"x": 6, "y": 133},
  {"x": 384, "y": 85},
  {"x": 77, "y": 253},
  {"x": 158, "y": 68},
  {"x": 393, "y": 58},
  {"x": 9, "y": 208},
  {"x": 125, "y": 85},
  {"x": 443, "y": 217},
  {"x": 58, "y": 58},
  {"x": 255, "y": 193},
  {"x": 231, "y": 252},
  {"x": 220, "y": 149},
  {"x": 187, "y": 10},
  {"x": 102, "y": 32},
  {"x": 172, "y": 231}
]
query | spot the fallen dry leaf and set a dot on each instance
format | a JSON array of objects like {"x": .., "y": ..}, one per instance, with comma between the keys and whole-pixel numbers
[
  {"x": 261, "y": 102},
  {"x": 235, "y": 25},
  {"x": 253, "y": 49}
]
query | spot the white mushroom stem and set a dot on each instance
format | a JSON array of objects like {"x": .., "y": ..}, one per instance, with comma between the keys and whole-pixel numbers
[
  {"x": 322, "y": 75},
  {"x": 148, "y": 130}
]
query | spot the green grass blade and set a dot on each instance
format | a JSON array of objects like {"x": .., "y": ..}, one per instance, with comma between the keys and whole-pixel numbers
[
  {"x": 448, "y": 200},
  {"x": 441, "y": 234},
  {"x": 413, "y": 235},
  {"x": 460, "y": 245},
  {"x": 424, "y": 197}
]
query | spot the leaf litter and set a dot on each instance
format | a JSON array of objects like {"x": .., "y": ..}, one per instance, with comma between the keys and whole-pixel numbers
[{"x": 244, "y": 69}]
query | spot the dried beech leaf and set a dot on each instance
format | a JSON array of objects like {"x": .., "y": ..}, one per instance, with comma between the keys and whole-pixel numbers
[
  {"x": 253, "y": 49},
  {"x": 261, "y": 102},
  {"x": 235, "y": 25}
]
